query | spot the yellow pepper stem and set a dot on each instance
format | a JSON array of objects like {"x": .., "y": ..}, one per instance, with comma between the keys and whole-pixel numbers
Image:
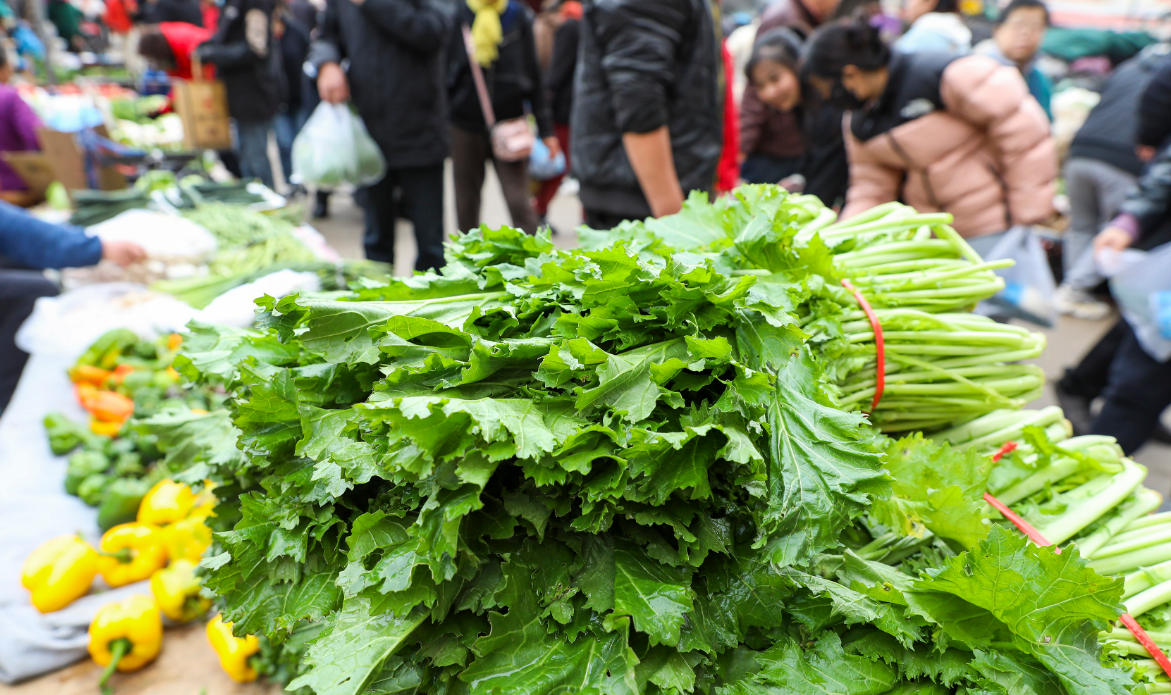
[{"x": 118, "y": 648}]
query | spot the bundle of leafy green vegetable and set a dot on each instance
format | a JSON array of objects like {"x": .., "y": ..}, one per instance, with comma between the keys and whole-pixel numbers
[
  {"x": 610, "y": 471},
  {"x": 942, "y": 367},
  {"x": 1083, "y": 490}
]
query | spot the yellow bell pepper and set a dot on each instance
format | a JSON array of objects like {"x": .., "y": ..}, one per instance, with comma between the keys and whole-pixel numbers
[
  {"x": 234, "y": 652},
  {"x": 166, "y": 503},
  {"x": 176, "y": 590},
  {"x": 130, "y": 553},
  {"x": 125, "y": 636},
  {"x": 59, "y": 572},
  {"x": 186, "y": 539},
  {"x": 110, "y": 429},
  {"x": 174, "y": 341}
]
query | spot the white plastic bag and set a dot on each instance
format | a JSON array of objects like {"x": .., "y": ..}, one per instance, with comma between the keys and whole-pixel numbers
[
  {"x": 1143, "y": 293},
  {"x": 1029, "y": 289},
  {"x": 334, "y": 148}
]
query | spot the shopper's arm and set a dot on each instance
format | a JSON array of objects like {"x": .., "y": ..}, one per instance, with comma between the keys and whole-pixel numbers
[
  {"x": 1146, "y": 206},
  {"x": 752, "y": 120},
  {"x": 25, "y": 125},
  {"x": 539, "y": 99},
  {"x": 564, "y": 60},
  {"x": 419, "y": 24},
  {"x": 326, "y": 54},
  {"x": 654, "y": 164},
  {"x": 640, "y": 42},
  {"x": 33, "y": 242}
]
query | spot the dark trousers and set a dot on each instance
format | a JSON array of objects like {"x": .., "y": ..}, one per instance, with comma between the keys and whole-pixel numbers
[
  {"x": 19, "y": 289},
  {"x": 1137, "y": 389},
  {"x": 766, "y": 168},
  {"x": 469, "y": 153},
  {"x": 415, "y": 194},
  {"x": 601, "y": 219}
]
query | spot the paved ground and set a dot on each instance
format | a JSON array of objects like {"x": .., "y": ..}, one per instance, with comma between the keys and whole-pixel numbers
[{"x": 187, "y": 665}]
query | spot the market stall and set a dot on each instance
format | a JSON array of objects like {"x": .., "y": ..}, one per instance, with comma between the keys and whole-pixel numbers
[{"x": 685, "y": 458}]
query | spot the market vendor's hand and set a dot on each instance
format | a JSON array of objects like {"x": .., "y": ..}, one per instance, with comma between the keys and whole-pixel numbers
[
  {"x": 123, "y": 253},
  {"x": 332, "y": 84},
  {"x": 1115, "y": 238}
]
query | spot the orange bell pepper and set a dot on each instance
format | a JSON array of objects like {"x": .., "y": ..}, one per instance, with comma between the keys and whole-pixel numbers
[
  {"x": 88, "y": 374},
  {"x": 119, "y": 374},
  {"x": 108, "y": 406}
]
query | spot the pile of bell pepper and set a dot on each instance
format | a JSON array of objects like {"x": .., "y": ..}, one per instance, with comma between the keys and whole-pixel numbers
[
  {"x": 119, "y": 377},
  {"x": 163, "y": 544}
]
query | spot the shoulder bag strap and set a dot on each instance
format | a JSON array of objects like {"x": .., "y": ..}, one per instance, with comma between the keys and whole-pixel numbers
[{"x": 478, "y": 78}]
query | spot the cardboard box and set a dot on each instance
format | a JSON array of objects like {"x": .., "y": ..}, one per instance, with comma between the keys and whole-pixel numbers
[
  {"x": 203, "y": 107},
  {"x": 67, "y": 160},
  {"x": 34, "y": 168}
]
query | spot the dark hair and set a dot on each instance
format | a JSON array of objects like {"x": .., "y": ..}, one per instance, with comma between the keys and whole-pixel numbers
[
  {"x": 153, "y": 45},
  {"x": 1021, "y": 5},
  {"x": 844, "y": 42},
  {"x": 947, "y": 6},
  {"x": 781, "y": 45}
]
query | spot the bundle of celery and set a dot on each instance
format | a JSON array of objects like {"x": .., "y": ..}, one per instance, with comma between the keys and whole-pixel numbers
[
  {"x": 940, "y": 367},
  {"x": 251, "y": 244}
]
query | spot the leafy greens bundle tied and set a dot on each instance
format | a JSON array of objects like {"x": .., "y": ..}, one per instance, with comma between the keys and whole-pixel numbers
[{"x": 609, "y": 471}]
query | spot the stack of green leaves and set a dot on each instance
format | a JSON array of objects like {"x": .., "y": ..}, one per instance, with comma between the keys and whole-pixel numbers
[{"x": 608, "y": 471}]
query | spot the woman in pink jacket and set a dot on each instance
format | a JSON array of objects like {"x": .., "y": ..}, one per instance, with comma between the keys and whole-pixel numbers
[{"x": 936, "y": 131}]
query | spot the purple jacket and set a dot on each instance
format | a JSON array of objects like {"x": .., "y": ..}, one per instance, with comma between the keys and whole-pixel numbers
[{"x": 18, "y": 133}]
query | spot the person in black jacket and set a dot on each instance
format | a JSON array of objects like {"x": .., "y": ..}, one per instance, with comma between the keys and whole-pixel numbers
[
  {"x": 292, "y": 41},
  {"x": 646, "y": 122},
  {"x": 1100, "y": 171},
  {"x": 246, "y": 62},
  {"x": 159, "y": 11},
  {"x": 395, "y": 54},
  {"x": 513, "y": 80}
]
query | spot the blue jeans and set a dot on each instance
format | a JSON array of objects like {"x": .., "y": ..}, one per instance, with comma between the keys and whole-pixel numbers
[
  {"x": 287, "y": 125},
  {"x": 252, "y": 148}
]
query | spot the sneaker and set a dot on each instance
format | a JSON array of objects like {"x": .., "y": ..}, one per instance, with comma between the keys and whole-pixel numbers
[
  {"x": 1080, "y": 304},
  {"x": 321, "y": 206}
]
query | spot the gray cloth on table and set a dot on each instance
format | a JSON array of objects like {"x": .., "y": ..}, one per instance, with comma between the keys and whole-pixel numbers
[{"x": 34, "y": 508}]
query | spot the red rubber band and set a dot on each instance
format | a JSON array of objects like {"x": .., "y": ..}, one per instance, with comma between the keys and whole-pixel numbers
[
  {"x": 879, "y": 345},
  {"x": 1025, "y": 527},
  {"x": 1127, "y": 619},
  {"x": 1005, "y": 449},
  {"x": 1144, "y": 639}
]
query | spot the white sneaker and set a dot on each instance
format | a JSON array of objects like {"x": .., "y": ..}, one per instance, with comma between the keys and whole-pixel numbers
[{"x": 1079, "y": 304}]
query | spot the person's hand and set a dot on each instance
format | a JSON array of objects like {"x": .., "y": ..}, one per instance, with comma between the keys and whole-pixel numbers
[
  {"x": 1145, "y": 152},
  {"x": 1115, "y": 238},
  {"x": 554, "y": 146},
  {"x": 332, "y": 84},
  {"x": 123, "y": 253}
]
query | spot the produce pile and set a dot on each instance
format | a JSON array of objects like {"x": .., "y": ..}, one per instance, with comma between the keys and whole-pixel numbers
[
  {"x": 95, "y": 206},
  {"x": 162, "y": 543},
  {"x": 1083, "y": 490},
  {"x": 120, "y": 377},
  {"x": 641, "y": 467}
]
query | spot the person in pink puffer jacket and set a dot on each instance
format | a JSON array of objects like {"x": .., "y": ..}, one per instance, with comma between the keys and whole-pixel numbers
[{"x": 940, "y": 132}]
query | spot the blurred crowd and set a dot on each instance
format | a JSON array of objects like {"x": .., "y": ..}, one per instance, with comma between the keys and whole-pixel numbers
[{"x": 946, "y": 105}]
